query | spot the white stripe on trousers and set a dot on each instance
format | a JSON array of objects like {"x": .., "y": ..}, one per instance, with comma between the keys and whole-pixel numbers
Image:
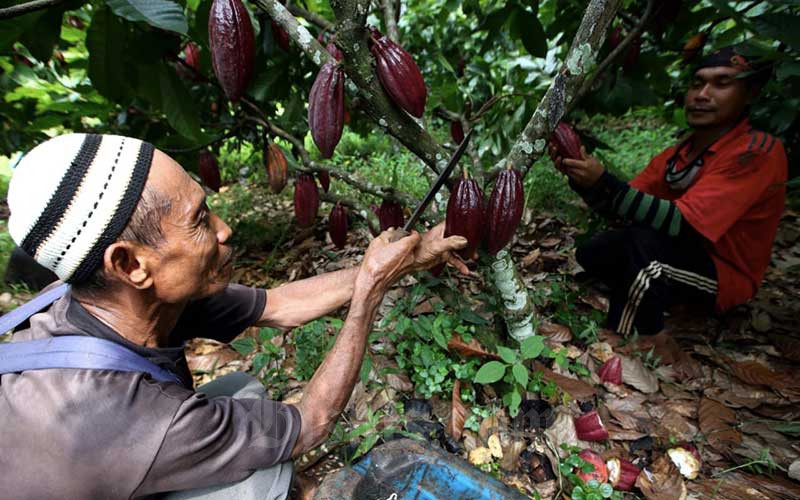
[{"x": 642, "y": 283}]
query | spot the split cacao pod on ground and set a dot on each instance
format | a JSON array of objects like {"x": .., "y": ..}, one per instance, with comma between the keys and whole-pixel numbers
[
  {"x": 693, "y": 47},
  {"x": 326, "y": 108},
  {"x": 337, "y": 225},
  {"x": 277, "y": 170},
  {"x": 567, "y": 141},
  {"x": 390, "y": 214},
  {"x": 457, "y": 131},
  {"x": 208, "y": 168},
  {"x": 280, "y": 36},
  {"x": 324, "y": 180},
  {"x": 306, "y": 200},
  {"x": 505, "y": 210},
  {"x": 465, "y": 216},
  {"x": 233, "y": 48},
  {"x": 399, "y": 75}
]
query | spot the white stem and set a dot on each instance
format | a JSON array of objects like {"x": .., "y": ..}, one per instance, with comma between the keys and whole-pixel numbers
[{"x": 518, "y": 308}]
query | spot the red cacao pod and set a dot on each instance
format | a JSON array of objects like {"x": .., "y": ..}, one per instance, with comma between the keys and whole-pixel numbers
[
  {"x": 232, "y": 43},
  {"x": 632, "y": 55},
  {"x": 589, "y": 427},
  {"x": 277, "y": 170},
  {"x": 505, "y": 210},
  {"x": 465, "y": 216},
  {"x": 334, "y": 51},
  {"x": 191, "y": 54},
  {"x": 280, "y": 36},
  {"x": 208, "y": 169},
  {"x": 326, "y": 108},
  {"x": 390, "y": 214},
  {"x": 622, "y": 473},
  {"x": 567, "y": 141},
  {"x": 457, "y": 131},
  {"x": 324, "y": 180},
  {"x": 615, "y": 38},
  {"x": 600, "y": 472},
  {"x": 306, "y": 200},
  {"x": 611, "y": 371},
  {"x": 693, "y": 47},
  {"x": 400, "y": 76},
  {"x": 337, "y": 225}
]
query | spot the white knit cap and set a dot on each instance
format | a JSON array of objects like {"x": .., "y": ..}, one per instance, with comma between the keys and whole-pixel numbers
[{"x": 72, "y": 196}]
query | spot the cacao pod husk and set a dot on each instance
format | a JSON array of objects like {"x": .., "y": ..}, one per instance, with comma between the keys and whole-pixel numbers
[
  {"x": 505, "y": 210},
  {"x": 390, "y": 214},
  {"x": 326, "y": 108},
  {"x": 277, "y": 169},
  {"x": 567, "y": 141},
  {"x": 632, "y": 55},
  {"x": 399, "y": 75},
  {"x": 465, "y": 216},
  {"x": 456, "y": 131},
  {"x": 232, "y": 43},
  {"x": 334, "y": 51},
  {"x": 337, "y": 225},
  {"x": 280, "y": 36},
  {"x": 208, "y": 168},
  {"x": 306, "y": 200},
  {"x": 615, "y": 38},
  {"x": 191, "y": 54},
  {"x": 324, "y": 180},
  {"x": 693, "y": 47}
]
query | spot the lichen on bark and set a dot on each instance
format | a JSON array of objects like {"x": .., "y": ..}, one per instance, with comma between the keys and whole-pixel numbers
[{"x": 518, "y": 309}]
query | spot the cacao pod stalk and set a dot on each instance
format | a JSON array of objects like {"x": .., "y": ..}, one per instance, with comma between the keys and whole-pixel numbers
[
  {"x": 208, "y": 168},
  {"x": 326, "y": 108},
  {"x": 693, "y": 47},
  {"x": 399, "y": 75},
  {"x": 337, "y": 225},
  {"x": 277, "y": 169},
  {"x": 232, "y": 43},
  {"x": 324, "y": 180},
  {"x": 505, "y": 210},
  {"x": 390, "y": 214},
  {"x": 567, "y": 141},
  {"x": 306, "y": 200},
  {"x": 465, "y": 215},
  {"x": 457, "y": 131}
]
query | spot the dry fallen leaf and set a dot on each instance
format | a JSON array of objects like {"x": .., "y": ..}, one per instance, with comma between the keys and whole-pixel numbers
[
  {"x": 636, "y": 375},
  {"x": 578, "y": 389},
  {"x": 753, "y": 372},
  {"x": 458, "y": 413},
  {"x": 480, "y": 456},
  {"x": 554, "y": 331},
  {"x": 716, "y": 423},
  {"x": 662, "y": 481},
  {"x": 471, "y": 348},
  {"x": 788, "y": 347}
]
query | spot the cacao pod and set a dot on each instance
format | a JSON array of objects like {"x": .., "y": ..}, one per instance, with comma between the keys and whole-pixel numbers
[
  {"x": 277, "y": 170},
  {"x": 693, "y": 47},
  {"x": 232, "y": 43},
  {"x": 191, "y": 55},
  {"x": 346, "y": 116},
  {"x": 337, "y": 225},
  {"x": 324, "y": 180},
  {"x": 280, "y": 36},
  {"x": 615, "y": 38},
  {"x": 632, "y": 55},
  {"x": 465, "y": 216},
  {"x": 399, "y": 75},
  {"x": 208, "y": 169},
  {"x": 505, "y": 209},
  {"x": 306, "y": 200},
  {"x": 334, "y": 51},
  {"x": 567, "y": 141},
  {"x": 457, "y": 131},
  {"x": 326, "y": 108},
  {"x": 390, "y": 214}
]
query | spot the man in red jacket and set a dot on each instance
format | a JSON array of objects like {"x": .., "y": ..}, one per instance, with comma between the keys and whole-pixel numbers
[{"x": 704, "y": 212}]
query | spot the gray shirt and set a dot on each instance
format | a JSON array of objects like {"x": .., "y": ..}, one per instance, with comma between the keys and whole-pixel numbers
[{"x": 103, "y": 434}]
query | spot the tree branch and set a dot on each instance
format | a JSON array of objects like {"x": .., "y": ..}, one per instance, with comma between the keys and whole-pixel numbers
[
  {"x": 24, "y": 8},
  {"x": 310, "y": 17},
  {"x": 389, "y": 19}
]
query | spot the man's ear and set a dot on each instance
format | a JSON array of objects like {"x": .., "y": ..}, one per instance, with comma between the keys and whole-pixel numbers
[{"x": 129, "y": 263}]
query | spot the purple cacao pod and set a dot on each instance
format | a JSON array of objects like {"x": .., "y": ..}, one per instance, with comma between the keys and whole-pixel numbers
[
  {"x": 400, "y": 76},
  {"x": 567, "y": 141},
  {"x": 324, "y": 180},
  {"x": 306, "y": 200},
  {"x": 465, "y": 216},
  {"x": 505, "y": 210},
  {"x": 208, "y": 168},
  {"x": 337, "y": 225},
  {"x": 326, "y": 108},
  {"x": 232, "y": 43},
  {"x": 457, "y": 131},
  {"x": 277, "y": 169},
  {"x": 390, "y": 214}
]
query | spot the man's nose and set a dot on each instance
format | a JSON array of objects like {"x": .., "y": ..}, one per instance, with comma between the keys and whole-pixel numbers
[
  {"x": 703, "y": 93},
  {"x": 223, "y": 231}
]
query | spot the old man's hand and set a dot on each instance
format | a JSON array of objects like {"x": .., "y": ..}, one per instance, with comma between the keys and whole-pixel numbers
[{"x": 435, "y": 249}]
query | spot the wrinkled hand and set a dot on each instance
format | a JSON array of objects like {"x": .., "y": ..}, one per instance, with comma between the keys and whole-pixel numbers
[
  {"x": 385, "y": 260},
  {"x": 585, "y": 172},
  {"x": 435, "y": 249}
]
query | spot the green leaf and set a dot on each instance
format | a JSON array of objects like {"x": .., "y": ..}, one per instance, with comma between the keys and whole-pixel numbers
[
  {"x": 366, "y": 445},
  {"x": 44, "y": 34},
  {"x": 792, "y": 428},
  {"x": 781, "y": 27},
  {"x": 107, "y": 66},
  {"x": 606, "y": 490},
  {"x": 244, "y": 346},
  {"x": 526, "y": 27},
  {"x": 366, "y": 366},
  {"x": 490, "y": 372},
  {"x": 508, "y": 355},
  {"x": 520, "y": 374},
  {"x": 162, "y": 14},
  {"x": 179, "y": 107},
  {"x": 516, "y": 400},
  {"x": 532, "y": 347}
]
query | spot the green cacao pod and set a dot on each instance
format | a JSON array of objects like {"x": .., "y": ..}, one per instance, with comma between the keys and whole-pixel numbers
[
  {"x": 399, "y": 75},
  {"x": 208, "y": 168},
  {"x": 326, "y": 108},
  {"x": 232, "y": 43},
  {"x": 567, "y": 141},
  {"x": 465, "y": 216},
  {"x": 277, "y": 169},
  {"x": 337, "y": 225},
  {"x": 505, "y": 210},
  {"x": 390, "y": 214},
  {"x": 324, "y": 180},
  {"x": 306, "y": 200}
]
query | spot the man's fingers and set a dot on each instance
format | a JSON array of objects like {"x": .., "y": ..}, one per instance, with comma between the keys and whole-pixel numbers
[
  {"x": 456, "y": 262},
  {"x": 452, "y": 243}
]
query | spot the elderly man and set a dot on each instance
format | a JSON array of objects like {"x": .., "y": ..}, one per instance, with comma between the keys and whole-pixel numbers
[
  {"x": 149, "y": 266},
  {"x": 704, "y": 212}
]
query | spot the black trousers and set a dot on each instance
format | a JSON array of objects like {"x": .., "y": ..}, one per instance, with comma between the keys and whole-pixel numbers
[{"x": 649, "y": 271}]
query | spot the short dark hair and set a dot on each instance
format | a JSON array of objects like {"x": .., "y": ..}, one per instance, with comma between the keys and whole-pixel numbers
[{"x": 144, "y": 228}]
